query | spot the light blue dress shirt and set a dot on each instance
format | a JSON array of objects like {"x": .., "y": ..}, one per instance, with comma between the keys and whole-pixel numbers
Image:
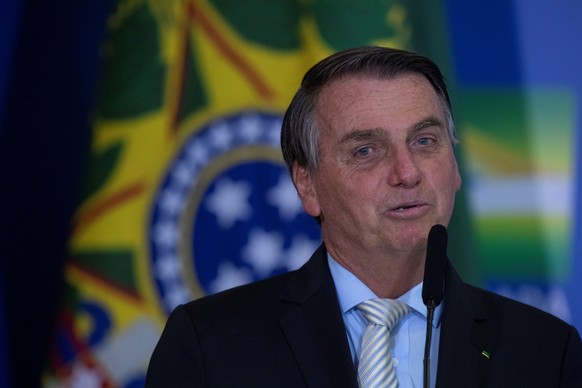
[{"x": 407, "y": 338}]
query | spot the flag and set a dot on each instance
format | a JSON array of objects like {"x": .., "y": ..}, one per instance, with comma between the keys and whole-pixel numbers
[{"x": 187, "y": 193}]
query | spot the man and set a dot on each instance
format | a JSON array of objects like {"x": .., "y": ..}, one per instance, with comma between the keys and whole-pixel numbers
[{"x": 368, "y": 139}]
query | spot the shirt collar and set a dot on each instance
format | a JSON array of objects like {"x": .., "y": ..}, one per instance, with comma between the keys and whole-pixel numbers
[{"x": 351, "y": 292}]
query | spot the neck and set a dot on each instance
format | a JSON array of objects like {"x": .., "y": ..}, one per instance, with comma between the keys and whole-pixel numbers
[{"x": 388, "y": 276}]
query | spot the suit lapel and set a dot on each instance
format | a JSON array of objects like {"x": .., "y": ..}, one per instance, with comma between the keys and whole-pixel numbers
[
  {"x": 314, "y": 327},
  {"x": 464, "y": 348}
]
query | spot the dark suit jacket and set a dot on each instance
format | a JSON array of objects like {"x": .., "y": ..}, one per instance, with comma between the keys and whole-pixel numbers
[{"x": 288, "y": 331}]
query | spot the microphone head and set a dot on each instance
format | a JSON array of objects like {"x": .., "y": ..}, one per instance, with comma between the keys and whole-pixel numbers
[{"x": 434, "y": 267}]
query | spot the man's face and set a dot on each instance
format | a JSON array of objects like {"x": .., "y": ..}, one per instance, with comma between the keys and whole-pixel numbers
[{"x": 387, "y": 170}]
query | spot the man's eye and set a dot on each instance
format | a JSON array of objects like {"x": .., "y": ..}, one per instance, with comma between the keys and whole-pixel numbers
[
  {"x": 425, "y": 141},
  {"x": 364, "y": 151}
]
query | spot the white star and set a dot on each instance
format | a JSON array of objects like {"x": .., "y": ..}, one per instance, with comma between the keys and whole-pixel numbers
[
  {"x": 168, "y": 266},
  {"x": 230, "y": 276},
  {"x": 285, "y": 198},
  {"x": 263, "y": 251},
  {"x": 171, "y": 202},
  {"x": 221, "y": 136},
  {"x": 250, "y": 129},
  {"x": 165, "y": 234},
  {"x": 229, "y": 202},
  {"x": 274, "y": 133},
  {"x": 301, "y": 249},
  {"x": 182, "y": 175},
  {"x": 197, "y": 153}
]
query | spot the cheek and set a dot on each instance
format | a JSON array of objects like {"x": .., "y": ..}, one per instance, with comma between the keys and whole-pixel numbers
[
  {"x": 443, "y": 182},
  {"x": 352, "y": 201},
  {"x": 348, "y": 190},
  {"x": 333, "y": 194},
  {"x": 448, "y": 175}
]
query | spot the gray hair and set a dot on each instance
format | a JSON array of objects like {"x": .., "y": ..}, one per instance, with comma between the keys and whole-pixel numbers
[{"x": 300, "y": 134}]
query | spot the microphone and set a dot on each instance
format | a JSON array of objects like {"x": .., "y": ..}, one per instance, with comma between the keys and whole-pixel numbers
[
  {"x": 434, "y": 267},
  {"x": 433, "y": 285}
]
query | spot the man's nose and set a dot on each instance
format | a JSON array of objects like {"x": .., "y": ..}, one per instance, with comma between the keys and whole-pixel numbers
[{"x": 403, "y": 169}]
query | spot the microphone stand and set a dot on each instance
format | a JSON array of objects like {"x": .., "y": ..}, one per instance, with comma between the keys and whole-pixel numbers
[{"x": 430, "y": 307}]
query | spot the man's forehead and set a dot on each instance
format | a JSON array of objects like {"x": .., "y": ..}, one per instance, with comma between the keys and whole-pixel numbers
[
  {"x": 364, "y": 78},
  {"x": 354, "y": 89},
  {"x": 361, "y": 100}
]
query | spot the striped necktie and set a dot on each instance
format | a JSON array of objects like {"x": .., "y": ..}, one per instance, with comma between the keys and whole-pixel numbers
[{"x": 375, "y": 367}]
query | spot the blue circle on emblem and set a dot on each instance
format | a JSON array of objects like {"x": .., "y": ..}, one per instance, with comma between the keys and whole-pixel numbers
[
  {"x": 227, "y": 213},
  {"x": 252, "y": 215}
]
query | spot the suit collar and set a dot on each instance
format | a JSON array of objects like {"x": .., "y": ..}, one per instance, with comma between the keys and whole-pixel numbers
[{"x": 313, "y": 323}]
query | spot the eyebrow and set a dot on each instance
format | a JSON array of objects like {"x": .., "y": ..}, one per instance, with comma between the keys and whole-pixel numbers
[
  {"x": 367, "y": 134},
  {"x": 361, "y": 134},
  {"x": 428, "y": 122}
]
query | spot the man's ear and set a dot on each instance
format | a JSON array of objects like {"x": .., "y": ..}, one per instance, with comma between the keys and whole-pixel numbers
[{"x": 303, "y": 180}]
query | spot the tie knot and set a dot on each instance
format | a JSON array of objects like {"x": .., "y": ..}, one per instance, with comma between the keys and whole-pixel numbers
[{"x": 385, "y": 312}]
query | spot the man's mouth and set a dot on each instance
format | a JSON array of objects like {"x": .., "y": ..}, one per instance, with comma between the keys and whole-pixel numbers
[
  {"x": 406, "y": 206},
  {"x": 402, "y": 208}
]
